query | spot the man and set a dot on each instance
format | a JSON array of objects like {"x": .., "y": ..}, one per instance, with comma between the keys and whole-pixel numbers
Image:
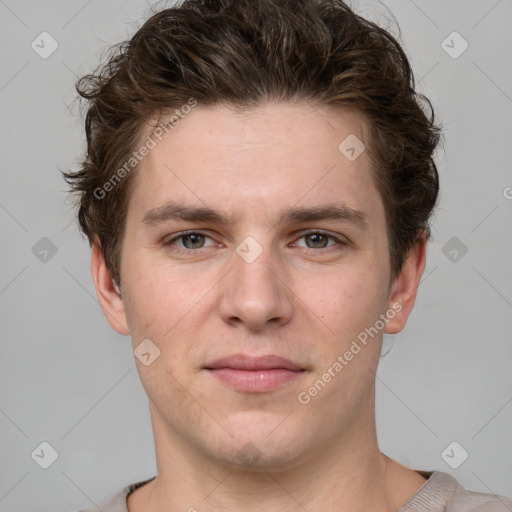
[{"x": 257, "y": 191}]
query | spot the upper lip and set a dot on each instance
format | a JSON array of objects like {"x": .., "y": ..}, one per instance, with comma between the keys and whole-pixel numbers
[{"x": 247, "y": 362}]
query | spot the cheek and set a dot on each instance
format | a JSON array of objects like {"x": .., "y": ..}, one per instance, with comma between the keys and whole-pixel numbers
[
  {"x": 344, "y": 303},
  {"x": 159, "y": 297}
]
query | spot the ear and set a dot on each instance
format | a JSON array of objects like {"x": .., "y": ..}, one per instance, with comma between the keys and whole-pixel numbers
[
  {"x": 109, "y": 295},
  {"x": 405, "y": 286}
]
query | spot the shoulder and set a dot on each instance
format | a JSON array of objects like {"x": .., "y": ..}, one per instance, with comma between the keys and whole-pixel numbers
[
  {"x": 442, "y": 493},
  {"x": 464, "y": 500},
  {"x": 117, "y": 503}
]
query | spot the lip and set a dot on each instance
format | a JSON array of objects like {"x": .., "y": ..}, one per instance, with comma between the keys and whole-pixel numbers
[
  {"x": 254, "y": 374},
  {"x": 247, "y": 362}
]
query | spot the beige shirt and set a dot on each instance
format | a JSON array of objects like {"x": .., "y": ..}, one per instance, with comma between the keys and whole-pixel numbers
[{"x": 440, "y": 493}]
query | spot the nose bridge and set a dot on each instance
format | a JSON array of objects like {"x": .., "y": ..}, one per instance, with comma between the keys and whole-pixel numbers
[
  {"x": 255, "y": 293},
  {"x": 255, "y": 264}
]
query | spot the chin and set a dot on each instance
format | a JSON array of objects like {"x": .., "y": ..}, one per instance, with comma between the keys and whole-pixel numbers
[
  {"x": 263, "y": 442},
  {"x": 248, "y": 457}
]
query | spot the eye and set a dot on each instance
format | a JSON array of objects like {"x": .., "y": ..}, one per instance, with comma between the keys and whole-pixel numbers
[
  {"x": 189, "y": 240},
  {"x": 194, "y": 241},
  {"x": 320, "y": 240}
]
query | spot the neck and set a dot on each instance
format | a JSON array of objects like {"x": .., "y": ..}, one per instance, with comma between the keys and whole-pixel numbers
[{"x": 349, "y": 473}]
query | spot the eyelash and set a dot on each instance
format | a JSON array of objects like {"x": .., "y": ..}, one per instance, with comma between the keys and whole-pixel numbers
[{"x": 328, "y": 249}]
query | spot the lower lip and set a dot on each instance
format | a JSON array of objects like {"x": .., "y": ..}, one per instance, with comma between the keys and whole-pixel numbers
[{"x": 255, "y": 381}]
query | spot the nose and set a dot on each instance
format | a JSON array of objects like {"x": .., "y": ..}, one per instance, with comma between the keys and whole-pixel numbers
[{"x": 256, "y": 293}]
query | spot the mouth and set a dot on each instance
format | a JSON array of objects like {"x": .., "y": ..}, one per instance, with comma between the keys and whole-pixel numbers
[{"x": 253, "y": 374}]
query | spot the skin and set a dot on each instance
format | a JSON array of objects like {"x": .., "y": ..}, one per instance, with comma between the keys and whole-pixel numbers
[{"x": 301, "y": 298}]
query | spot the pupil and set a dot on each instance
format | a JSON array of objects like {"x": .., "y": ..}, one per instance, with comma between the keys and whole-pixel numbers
[
  {"x": 317, "y": 237},
  {"x": 193, "y": 238}
]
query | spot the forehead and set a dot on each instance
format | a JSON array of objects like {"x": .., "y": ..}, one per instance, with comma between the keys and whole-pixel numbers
[{"x": 259, "y": 160}]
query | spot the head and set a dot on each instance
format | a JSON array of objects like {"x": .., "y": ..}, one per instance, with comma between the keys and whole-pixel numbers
[{"x": 293, "y": 123}]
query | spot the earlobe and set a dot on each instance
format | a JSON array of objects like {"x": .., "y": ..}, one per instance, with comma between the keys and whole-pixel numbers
[
  {"x": 107, "y": 291},
  {"x": 405, "y": 286}
]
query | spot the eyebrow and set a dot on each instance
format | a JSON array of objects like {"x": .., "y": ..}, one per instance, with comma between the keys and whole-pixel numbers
[{"x": 174, "y": 211}]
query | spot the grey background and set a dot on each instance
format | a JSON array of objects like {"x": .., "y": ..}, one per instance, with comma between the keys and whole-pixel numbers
[{"x": 67, "y": 378}]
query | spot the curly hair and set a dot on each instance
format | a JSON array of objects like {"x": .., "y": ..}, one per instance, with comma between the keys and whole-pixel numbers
[{"x": 242, "y": 53}]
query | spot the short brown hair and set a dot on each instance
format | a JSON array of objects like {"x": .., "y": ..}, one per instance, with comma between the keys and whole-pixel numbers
[{"x": 242, "y": 53}]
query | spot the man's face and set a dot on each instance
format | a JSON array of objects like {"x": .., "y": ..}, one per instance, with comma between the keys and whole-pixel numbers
[{"x": 259, "y": 282}]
